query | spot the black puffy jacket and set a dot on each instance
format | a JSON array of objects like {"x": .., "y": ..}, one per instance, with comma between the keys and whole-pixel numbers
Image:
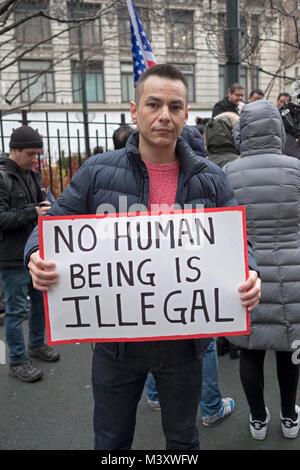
[{"x": 18, "y": 215}]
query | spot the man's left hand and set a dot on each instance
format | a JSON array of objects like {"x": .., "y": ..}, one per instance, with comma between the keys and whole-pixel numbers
[{"x": 250, "y": 291}]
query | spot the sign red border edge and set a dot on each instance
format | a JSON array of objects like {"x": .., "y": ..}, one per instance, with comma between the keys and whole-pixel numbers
[{"x": 132, "y": 214}]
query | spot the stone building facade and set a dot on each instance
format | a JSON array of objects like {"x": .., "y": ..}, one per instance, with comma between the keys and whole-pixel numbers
[{"x": 41, "y": 74}]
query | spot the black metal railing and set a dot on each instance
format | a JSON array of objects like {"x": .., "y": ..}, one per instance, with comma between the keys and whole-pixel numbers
[{"x": 65, "y": 143}]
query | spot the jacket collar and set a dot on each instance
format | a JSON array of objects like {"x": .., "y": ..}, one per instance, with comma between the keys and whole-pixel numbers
[{"x": 190, "y": 163}]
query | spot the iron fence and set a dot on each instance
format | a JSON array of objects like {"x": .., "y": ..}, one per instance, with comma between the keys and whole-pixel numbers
[{"x": 65, "y": 143}]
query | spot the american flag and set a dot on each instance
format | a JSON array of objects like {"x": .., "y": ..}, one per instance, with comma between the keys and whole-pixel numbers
[{"x": 142, "y": 55}]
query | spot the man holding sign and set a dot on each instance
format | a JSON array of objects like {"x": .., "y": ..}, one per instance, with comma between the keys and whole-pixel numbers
[{"x": 156, "y": 167}]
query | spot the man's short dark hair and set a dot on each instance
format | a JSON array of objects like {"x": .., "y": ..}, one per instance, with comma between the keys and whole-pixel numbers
[
  {"x": 121, "y": 135},
  {"x": 284, "y": 93},
  {"x": 164, "y": 71},
  {"x": 258, "y": 91}
]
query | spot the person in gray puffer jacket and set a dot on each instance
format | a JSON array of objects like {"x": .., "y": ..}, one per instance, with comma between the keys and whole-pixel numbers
[{"x": 268, "y": 184}]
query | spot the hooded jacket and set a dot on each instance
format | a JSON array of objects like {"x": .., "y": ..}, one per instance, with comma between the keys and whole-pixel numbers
[
  {"x": 220, "y": 141},
  {"x": 268, "y": 184},
  {"x": 19, "y": 192}
]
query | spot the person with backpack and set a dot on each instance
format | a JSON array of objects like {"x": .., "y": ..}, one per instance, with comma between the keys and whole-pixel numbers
[{"x": 22, "y": 201}]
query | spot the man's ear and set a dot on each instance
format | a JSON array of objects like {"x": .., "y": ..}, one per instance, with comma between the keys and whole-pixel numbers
[
  {"x": 133, "y": 111},
  {"x": 186, "y": 114}
]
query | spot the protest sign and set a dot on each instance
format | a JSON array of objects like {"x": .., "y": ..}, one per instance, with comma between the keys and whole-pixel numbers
[{"x": 134, "y": 277}]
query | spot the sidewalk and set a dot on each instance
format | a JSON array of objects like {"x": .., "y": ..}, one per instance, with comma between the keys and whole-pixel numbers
[{"x": 56, "y": 413}]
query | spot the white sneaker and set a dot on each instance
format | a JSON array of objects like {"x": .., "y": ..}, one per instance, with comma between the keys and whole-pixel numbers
[
  {"x": 258, "y": 428},
  {"x": 289, "y": 427}
]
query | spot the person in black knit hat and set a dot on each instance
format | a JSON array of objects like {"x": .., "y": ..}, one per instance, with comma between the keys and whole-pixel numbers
[
  {"x": 25, "y": 137},
  {"x": 22, "y": 201}
]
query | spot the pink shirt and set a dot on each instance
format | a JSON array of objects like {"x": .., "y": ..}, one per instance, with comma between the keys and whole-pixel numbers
[{"x": 163, "y": 180}]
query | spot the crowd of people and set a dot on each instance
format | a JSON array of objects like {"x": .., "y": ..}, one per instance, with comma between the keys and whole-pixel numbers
[{"x": 242, "y": 155}]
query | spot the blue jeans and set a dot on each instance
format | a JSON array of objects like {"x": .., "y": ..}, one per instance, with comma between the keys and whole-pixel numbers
[
  {"x": 151, "y": 389},
  {"x": 211, "y": 399},
  {"x": 17, "y": 286},
  {"x": 118, "y": 375}
]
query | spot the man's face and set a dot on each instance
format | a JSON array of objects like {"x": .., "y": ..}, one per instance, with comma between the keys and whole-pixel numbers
[
  {"x": 255, "y": 97},
  {"x": 161, "y": 112},
  {"x": 25, "y": 158},
  {"x": 237, "y": 96},
  {"x": 282, "y": 100}
]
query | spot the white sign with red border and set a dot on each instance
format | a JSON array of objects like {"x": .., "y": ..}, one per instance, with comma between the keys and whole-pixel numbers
[{"x": 143, "y": 277}]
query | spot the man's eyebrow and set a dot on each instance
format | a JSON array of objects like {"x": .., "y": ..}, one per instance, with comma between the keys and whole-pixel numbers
[
  {"x": 155, "y": 98},
  {"x": 177, "y": 101}
]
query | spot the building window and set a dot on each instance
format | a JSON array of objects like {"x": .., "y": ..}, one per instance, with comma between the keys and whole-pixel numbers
[
  {"x": 94, "y": 82},
  {"x": 253, "y": 78},
  {"x": 91, "y": 31},
  {"x": 179, "y": 29},
  {"x": 222, "y": 82},
  {"x": 221, "y": 16},
  {"x": 124, "y": 26},
  {"x": 243, "y": 81},
  {"x": 36, "y": 81},
  {"x": 188, "y": 71},
  {"x": 36, "y": 29},
  {"x": 127, "y": 82}
]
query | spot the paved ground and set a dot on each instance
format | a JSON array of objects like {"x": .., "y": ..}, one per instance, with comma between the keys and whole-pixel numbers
[{"x": 56, "y": 412}]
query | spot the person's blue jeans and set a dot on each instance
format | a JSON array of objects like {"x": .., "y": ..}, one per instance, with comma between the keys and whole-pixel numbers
[
  {"x": 118, "y": 382},
  {"x": 17, "y": 286},
  {"x": 151, "y": 389},
  {"x": 211, "y": 399}
]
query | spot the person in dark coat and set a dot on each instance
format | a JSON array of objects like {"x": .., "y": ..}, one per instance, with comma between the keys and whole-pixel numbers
[
  {"x": 119, "y": 370},
  {"x": 22, "y": 201},
  {"x": 231, "y": 102}
]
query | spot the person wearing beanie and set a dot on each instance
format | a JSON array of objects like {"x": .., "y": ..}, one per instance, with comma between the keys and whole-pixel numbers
[
  {"x": 22, "y": 201},
  {"x": 25, "y": 137}
]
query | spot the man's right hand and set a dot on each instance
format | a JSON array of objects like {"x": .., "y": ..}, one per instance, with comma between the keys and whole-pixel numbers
[{"x": 42, "y": 272}]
